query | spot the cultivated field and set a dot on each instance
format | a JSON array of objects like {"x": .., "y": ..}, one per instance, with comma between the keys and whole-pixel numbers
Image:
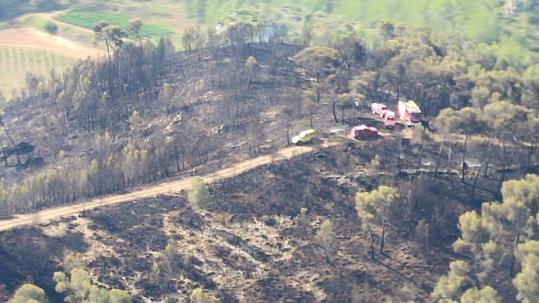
[
  {"x": 28, "y": 50},
  {"x": 161, "y": 18},
  {"x": 25, "y": 47}
]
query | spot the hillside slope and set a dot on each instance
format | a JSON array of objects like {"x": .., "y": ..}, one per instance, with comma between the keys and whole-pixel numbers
[
  {"x": 254, "y": 244},
  {"x": 165, "y": 188},
  {"x": 478, "y": 19},
  {"x": 149, "y": 113},
  {"x": 509, "y": 26},
  {"x": 13, "y": 8}
]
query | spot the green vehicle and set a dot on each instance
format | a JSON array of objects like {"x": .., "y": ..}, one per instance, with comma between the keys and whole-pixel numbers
[{"x": 304, "y": 137}]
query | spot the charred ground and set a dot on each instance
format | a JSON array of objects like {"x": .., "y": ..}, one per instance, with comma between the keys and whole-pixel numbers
[
  {"x": 254, "y": 244},
  {"x": 147, "y": 113}
]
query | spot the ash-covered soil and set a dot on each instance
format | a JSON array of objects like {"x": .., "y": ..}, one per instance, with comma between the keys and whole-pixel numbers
[{"x": 252, "y": 245}]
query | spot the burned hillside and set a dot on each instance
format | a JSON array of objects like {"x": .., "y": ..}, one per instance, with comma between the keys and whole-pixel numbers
[
  {"x": 147, "y": 112},
  {"x": 197, "y": 107},
  {"x": 257, "y": 242},
  {"x": 350, "y": 218}
]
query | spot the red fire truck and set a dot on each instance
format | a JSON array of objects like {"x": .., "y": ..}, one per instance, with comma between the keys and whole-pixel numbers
[{"x": 409, "y": 113}]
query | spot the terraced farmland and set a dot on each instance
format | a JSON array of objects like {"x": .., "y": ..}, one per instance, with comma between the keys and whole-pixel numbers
[
  {"x": 25, "y": 50},
  {"x": 16, "y": 62}
]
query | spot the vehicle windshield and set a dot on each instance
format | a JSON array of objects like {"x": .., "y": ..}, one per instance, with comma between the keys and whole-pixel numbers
[{"x": 416, "y": 117}]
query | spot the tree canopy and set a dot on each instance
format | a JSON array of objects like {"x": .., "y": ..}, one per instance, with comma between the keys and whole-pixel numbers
[
  {"x": 376, "y": 208},
  {"x": 497, "y": 240},
  {"x": 29, "y": 293}
]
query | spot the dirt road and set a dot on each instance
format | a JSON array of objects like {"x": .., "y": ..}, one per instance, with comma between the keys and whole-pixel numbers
[{"x": 165, "y": 188}]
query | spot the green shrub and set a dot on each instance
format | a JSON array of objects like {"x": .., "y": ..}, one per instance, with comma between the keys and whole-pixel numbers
[
  {"x": 51, "y": 28},
  {"x": 199, "y": 196},
  {"x": 29, "y": 293}
]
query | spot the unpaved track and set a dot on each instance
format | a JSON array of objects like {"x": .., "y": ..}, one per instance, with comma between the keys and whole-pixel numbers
[
  {"x": 165, "y": 188},
  {"x": 51, "y": 17}
]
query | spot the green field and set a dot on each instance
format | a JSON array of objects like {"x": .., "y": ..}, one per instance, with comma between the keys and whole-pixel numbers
[
  {"x": 75, "y": 21},
  {"x": 87, "y": 19},
  {"x": 15, "y": 62},
  {"x": 481, "y": 19},
  {"x": 512, "y": 37},
  {"x": 161, "y": 18}
]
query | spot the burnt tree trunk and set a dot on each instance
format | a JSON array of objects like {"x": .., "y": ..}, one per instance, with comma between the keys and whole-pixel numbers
[
  {"x": 334, "y": 110},
  {"x": 487, "y": 162},
  {"x": 463, "y": 169},
  {"x": 474, "y": 186},
  {"x": 439, "y": 160},
  {"x": 513, "y": 257},
  {"x": 382, "y": 238},
  {"x": 531, "y": 151},
  {"x": 372, "y": 237},
  {"x": 420, "y": 159},
  {"x": 504, "y": 168}
]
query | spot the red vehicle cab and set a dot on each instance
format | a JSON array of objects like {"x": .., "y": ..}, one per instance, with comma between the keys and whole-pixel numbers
[
  {"x": 379, "y": 109},
  {"x": 389, "y": 119},
  {"x": 364, "y": 132}
]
